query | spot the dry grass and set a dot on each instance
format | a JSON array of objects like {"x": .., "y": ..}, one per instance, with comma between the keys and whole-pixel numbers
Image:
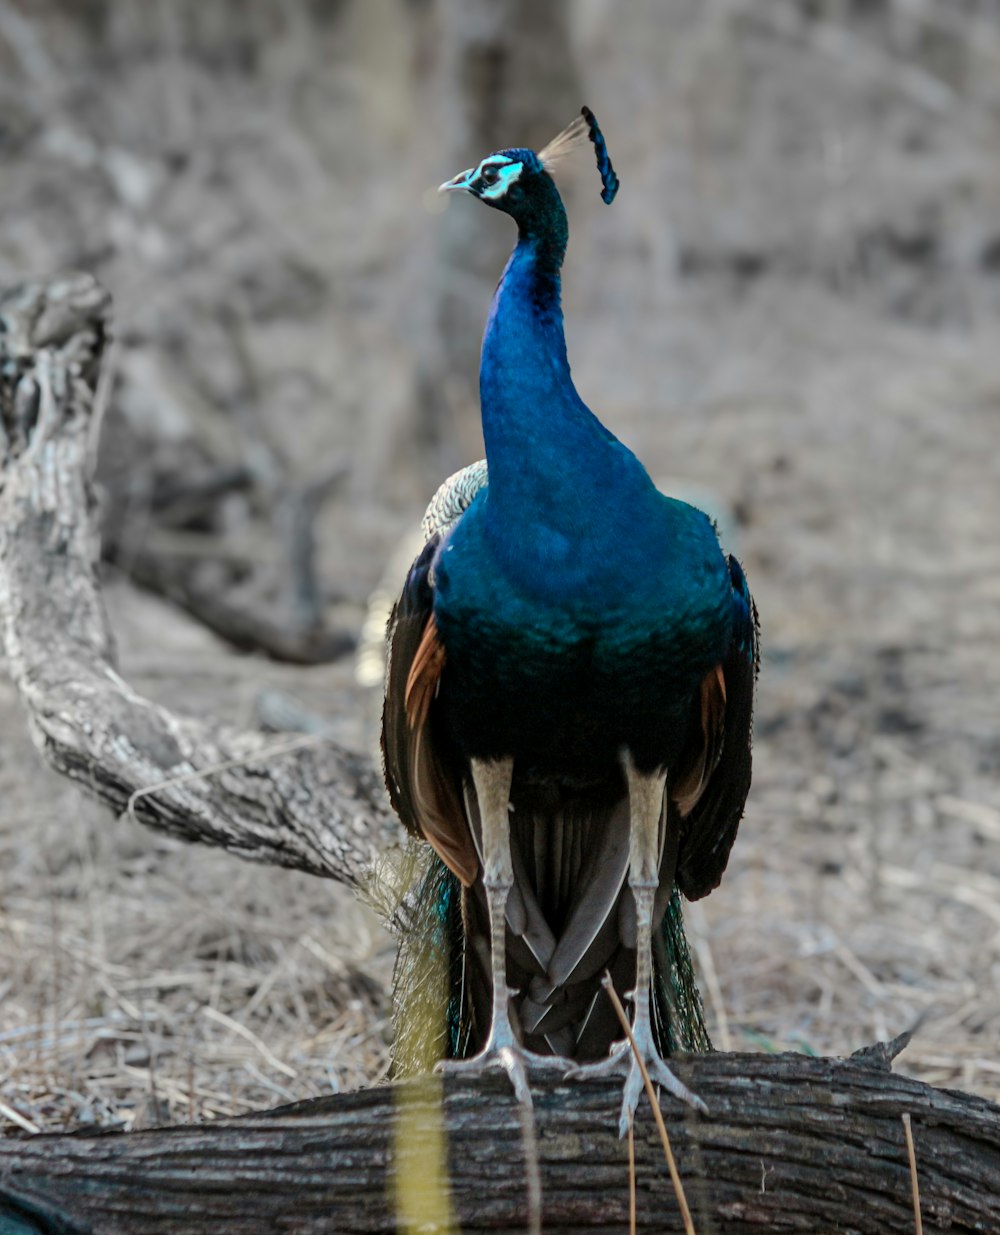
[
  {"x": 145, "y": 981},
  {"x": 791, "y": 308}
]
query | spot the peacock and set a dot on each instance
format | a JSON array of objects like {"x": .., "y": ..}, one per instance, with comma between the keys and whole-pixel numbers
[{"x": 568, "y": 701}]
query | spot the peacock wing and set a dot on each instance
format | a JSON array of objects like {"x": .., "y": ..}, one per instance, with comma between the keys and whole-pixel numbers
[
  {"x": 712, "y": 788},
  {"x": 422, "y": 775}
]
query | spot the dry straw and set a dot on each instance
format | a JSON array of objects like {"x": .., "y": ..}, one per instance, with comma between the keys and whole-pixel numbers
[
  {"x": 918, "y": 1224},
  {"x": 668, "y": 1152}
]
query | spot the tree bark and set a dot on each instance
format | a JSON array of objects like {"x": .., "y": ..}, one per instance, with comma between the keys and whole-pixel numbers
[
  {"x": 317, "y": 807},
  {"x": 791, "y": 1144}
]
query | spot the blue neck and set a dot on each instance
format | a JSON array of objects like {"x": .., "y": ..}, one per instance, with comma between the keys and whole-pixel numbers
[{"x": 540, "y": 436}]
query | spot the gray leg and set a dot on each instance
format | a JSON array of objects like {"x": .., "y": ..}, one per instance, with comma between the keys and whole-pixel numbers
[
  {"x": 492, "y": 784},
  {"x": 645, "y": 796}
]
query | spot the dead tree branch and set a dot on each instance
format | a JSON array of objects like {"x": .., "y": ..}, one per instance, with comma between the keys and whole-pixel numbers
[
  {"x": 317, "y": 807},
  {"x": 229, "y": 539}
]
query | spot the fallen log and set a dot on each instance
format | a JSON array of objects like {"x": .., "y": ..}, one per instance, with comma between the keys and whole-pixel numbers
[{"x": 792, "y": 1143}]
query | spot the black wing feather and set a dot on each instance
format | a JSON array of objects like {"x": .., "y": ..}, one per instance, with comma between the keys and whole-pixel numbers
[
  {"x": 710, "y": 829},
  {"x": 409, "y": 619},
  {"x": 422, "y": 773}
]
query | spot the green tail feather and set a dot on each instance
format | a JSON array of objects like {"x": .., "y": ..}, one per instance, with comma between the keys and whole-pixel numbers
[
  {"x": 678, "y": 1013},
  {"x": 428, "y": 1020},
  {"x": 427, "y": 981}
]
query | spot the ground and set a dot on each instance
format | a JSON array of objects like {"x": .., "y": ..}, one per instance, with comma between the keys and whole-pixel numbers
[{"x": 790, "y": 314}]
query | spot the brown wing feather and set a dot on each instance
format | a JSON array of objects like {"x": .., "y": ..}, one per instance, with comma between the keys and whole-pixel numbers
[
  {"x": 693, "y": 777},
  {"x": 424, "y": 783}
]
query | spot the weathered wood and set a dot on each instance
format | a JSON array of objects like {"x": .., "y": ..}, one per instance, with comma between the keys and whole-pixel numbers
[
  {"x": 791, "y": 1144},
  {"x": 318, "y": 807}
]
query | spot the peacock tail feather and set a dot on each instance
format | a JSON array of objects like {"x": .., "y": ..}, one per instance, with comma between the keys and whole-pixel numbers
[
  {"x": 427, "y": 986},
  {"x": 678, "y": 1012}
]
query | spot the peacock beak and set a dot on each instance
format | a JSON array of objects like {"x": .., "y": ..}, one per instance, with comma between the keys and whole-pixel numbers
[{"x": 462, "y": 181}]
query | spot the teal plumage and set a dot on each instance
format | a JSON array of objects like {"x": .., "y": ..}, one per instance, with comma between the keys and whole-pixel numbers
[{"x": 569, "y": 698}]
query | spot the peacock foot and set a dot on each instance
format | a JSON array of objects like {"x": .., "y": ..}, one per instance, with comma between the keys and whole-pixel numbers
[
  {"x": 502, "y": 1050},
  {"x": 624, "y": 1061}
]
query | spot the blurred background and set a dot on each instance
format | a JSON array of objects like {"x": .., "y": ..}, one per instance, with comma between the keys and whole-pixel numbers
[{"x": 791, "y": 314}]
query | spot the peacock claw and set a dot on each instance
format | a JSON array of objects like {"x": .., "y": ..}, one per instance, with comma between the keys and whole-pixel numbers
[
  {"x": 513, "y": 1058},
  {"x": 623, "y": 1061}
]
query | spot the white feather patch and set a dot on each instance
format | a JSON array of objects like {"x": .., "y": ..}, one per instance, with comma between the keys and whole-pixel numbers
[{"x": 509, "y": 173}]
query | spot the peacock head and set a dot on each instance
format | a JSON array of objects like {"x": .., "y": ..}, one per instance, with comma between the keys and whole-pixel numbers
[
  {"x": 506, "y": 180},
  {"x": 519, "y": 182}
]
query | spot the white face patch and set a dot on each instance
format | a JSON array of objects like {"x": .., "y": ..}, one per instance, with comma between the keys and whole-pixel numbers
[{"x": 508, "y": 172}]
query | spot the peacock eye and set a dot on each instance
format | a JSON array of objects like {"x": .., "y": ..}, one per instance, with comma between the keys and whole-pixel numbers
[{"x": 490, "y": 175}]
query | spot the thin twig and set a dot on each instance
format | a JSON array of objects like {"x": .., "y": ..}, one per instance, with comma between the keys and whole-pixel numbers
[
  {"x": 249, "y": 1036},
  {"x": 668, "y": 1153},
  {"x": 532, "y": 1166},
  {"x": 15, "y": 1117},
  {"x": 632, "y": 1223},
  {"x": 918, "y": 1225}
]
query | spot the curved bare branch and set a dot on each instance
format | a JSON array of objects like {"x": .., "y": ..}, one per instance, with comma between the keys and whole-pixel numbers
[{"x": 316, "y": 807}]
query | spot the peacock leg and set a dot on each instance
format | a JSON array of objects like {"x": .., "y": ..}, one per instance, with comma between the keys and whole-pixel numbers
[
  {"x": 646, "y": 793},
  {"x": 492, "y": 785}
]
